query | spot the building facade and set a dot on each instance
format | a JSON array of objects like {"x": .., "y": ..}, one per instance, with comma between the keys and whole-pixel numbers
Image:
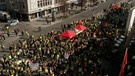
[
  {"x": 3, "y": 4},
  {"x": 32, "y": 9},
  {"x": 131, "y": 20}
]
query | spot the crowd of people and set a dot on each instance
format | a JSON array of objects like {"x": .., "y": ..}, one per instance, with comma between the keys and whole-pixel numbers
[{"x": 50, "y": 56}]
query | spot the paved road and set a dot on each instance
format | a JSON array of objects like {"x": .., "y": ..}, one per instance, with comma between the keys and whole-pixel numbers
[
  {"x": 80, "y": 16},
  {"x": 86, "y": 14}
]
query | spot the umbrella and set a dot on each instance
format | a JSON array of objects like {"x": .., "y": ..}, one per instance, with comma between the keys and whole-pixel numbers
[
  {"x": 68, "y": 34},
  {"x": 80, "y": 27}
]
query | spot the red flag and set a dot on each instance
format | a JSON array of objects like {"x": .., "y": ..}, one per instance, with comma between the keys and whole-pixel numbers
[
  {"x": 68, "y": 52},
  {"x": 125, "y": 60}
]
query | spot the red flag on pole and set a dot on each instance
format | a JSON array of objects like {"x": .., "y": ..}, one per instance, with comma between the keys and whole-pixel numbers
[{"x": 125, "y": 60}]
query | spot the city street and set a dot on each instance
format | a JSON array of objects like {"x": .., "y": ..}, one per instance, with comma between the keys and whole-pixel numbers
[
  {"x": 111, "y": 68},
  {"x": 32, "y": 26},
  {"x": 85, "y": 14}
]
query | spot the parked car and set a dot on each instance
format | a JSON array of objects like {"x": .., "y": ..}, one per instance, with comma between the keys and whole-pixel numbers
[
  {"x": 4, "y": 16},
  {"x": 13, "y": 22}
]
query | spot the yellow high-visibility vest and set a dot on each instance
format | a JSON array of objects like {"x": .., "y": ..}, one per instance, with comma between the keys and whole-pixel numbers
[
  {"x": 9, "y": 57},
  {"x": 46, "y": 70},
  {"x": 39, "y": 48},
  {"x": 40, "y": 69}
]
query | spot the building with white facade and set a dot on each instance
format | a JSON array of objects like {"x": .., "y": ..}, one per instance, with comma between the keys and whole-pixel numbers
[
  {"x": 33, "y": 9},
  {"x": 131, "y": 20}
]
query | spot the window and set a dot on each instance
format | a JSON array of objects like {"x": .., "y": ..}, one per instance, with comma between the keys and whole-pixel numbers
[
  {"x": 44, "y": 2},
  {"x": 41, "y": 3},
  {"x": 50, "y": 2},
  {"x": 22, "y": 6},
  {"x": 2, "y": 1},
  {"x": 58, "y": 1},
  {"x": 38, "y": 4}
]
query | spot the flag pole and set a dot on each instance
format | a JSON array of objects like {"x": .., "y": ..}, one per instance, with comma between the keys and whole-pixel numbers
[{"x": 123, "y": 63}]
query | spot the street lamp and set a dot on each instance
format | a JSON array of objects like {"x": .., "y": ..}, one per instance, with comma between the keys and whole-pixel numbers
[
  {"x": 53, "y": 15},
  {"x": 64, "y": 9}
]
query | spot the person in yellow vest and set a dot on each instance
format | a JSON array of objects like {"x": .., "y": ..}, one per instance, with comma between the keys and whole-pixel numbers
[
  {"x": 33, "y": 45},
  {"x": 13, "y": 73},
  {"x": 27, "y": 33},
  {"x": 14, "y": 46},
  {"x": 40, "y": 47},
  {"x": 9, "y": 57},
  {"x": 57, "y": 57},
  {"x": 25, "y": 46},
  {"x": 3, "y": 47},
  {"x": 52, "y": 73},
  {"x": 46, "y": 71},
  {"x": 33, "y": 36},
  {"x": 7, "y": 28},
  {"x": 41, "y": 37}
]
